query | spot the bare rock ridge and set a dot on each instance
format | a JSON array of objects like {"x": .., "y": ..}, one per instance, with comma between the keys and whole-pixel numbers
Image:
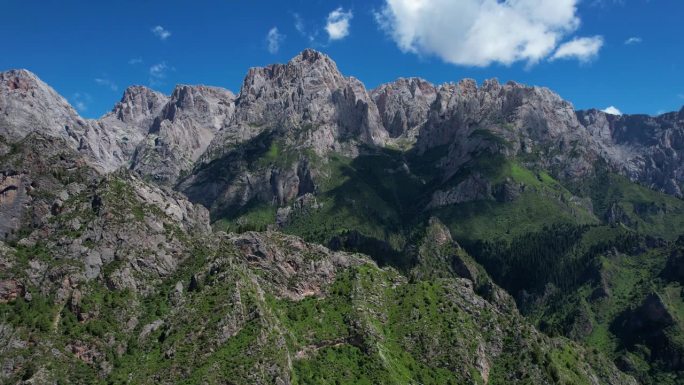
[
  {"x": 139, "y": 106},
  {"x": 308, "y": 97},
  {"x": 404, "y": 104},
  {"x": 28, "y": 105},
  {"x": 310, "y": 105},
  {"x": 644, "y": 148},
  {"x": 182, "y": 130}
]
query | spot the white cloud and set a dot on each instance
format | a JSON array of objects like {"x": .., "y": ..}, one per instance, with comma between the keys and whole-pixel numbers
[
  {"x": 612, "y": 110},
  {"x": 583, "y": 49},
  {"x": 480, "y": 32},
  {"x": 337, "y": 24},
  {"x": 159, "y": 70},
  {"x": 107, "y": 83},
  {"x": 135, "y": 60},
  {"x": 633, "y": 40},
  {"x": 160, "y": 32},
  {"x": 81, "y": 101},
  {"x": 273, "y": 40},
  {"x": 299, "y": 24}
]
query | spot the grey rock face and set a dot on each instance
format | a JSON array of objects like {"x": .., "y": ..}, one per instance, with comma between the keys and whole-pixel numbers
[
  {"x": 308, "y": 106},
  {"x": 291, "y": 110},
  {"x": 307, "y": 97},
  {"x": 506, "y": 119},
  {"x": 28, "y": 105},
  {"x": 13, "y": 199},
  {"x": 35, "y": 179},
  {"x": 247, "y": 179},
  {"x": 123, "y": 220},
  {"x": 474, "y": 187},
  {"x": 404, "y": 104},
  {"x": 644, "y": 148},
  {"x": 182, "y": 130},
  {"x": 157, "y": 135},
  {"x": 139, "y": 106},
  {"x": 287, "y": 270}
]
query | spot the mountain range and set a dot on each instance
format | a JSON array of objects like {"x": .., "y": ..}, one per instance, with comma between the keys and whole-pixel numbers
[{"x": 307, "y": 230}]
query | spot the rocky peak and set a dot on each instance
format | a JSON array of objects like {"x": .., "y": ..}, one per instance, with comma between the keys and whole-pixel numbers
[
  {"x": 507, "y": 119},
  {"x": 182, "y": 131},
  {"x": 404, "y": 104},
  {"x": 309, "y": 74},
  {"x": 647, "y": 149},
  {"x": 138, "y": 105},
  {"x": 312, "y": 56},
  {"x": 307, "y": 98},
  {"x": 309, "y": 68},
  {"x": 27, "y": 104},
  {"x": 198, "y": 100},
  {"x": 19, "y": 79}
]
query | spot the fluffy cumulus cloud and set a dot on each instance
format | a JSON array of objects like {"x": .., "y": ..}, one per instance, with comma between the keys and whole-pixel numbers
[
  {"x": 337, "y": 24},
  {"x": 480, "y": 32},
  {"x": 612, "y": 110},
  {"x": 583, "y": 49},
  {"x": 161, "y": 33},
  {"x": 273, "y": 40}
]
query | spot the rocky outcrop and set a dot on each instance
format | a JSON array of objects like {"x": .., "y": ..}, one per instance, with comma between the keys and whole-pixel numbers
[
  {"x": 510, "y": 119},
  {"x": 29, "y": 105},
  {"x": 10, "y": 290},
  {"x": 292, "y": 268},
  {"x": 472, "y": 188},
  {"x": 307, "y": 99},
  {"x": 404, "y": 105},
  {"x": 302, "y": 206},
  {"x": 646, "y": 149},
  {"x": 35, "y": 177},
  {"x": 13, "y": 200},
  {"x": 119, "y": 221},
  {"x": 182, "y": 131},
  {"x": 58, "y": 206},
  {"x": 139, "y": 106}
]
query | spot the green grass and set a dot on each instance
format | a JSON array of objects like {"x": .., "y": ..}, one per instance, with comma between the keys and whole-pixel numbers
[
  {"x": 646, "y": 211},
  {"x": 491, "y": 220},
  {"x": 256, "y": 217}
]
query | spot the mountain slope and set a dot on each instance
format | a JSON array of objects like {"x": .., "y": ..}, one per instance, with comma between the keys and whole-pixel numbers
[{"x": 183, "y": 305}]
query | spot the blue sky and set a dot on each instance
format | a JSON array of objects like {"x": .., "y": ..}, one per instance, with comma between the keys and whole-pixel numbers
[{"x": 594, "y": 53}]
